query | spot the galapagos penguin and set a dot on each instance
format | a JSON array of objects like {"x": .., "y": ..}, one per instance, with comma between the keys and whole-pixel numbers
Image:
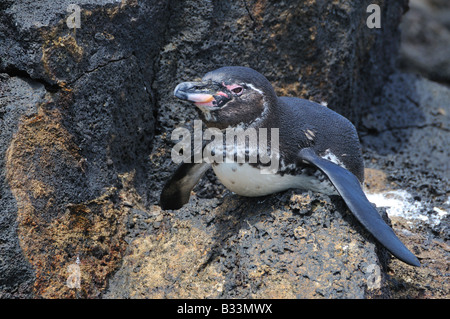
[{"x": 318, "y": 149}]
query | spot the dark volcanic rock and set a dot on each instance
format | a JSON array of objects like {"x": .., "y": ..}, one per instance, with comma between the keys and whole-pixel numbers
[
  {"x": 286, "y": 246},
  {"x": 408, "y": 141},
  {"x": 16, "y": 275},
  {"x": 409, "y": 136},
  {"x": 425, "y": 45},
  {"x": 318, "y": 50},
  {"x": 77, "y": 124},
  {"x": 86, "y": 116}
]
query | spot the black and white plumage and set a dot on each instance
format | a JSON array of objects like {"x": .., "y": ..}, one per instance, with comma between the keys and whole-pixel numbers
[{"x": 318, "y": 149}]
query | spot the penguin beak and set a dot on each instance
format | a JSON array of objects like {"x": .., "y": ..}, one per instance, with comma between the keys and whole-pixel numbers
[
  {"x": 200, "y": 93},
  {"x": 196, "y": 92}
]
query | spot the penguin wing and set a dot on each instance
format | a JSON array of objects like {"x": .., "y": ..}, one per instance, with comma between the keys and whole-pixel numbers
[
  {"x": 177, "y": 190},
  {"x": 349, "y": 188}
]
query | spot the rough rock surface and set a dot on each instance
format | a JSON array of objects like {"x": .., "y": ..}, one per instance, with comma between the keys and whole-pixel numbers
[
  {"x": 16, "y": 274},
  {"x": 286, "y": 246},
  {"x": 408, "y": 142},
  {"x": 76, "y": 119},
  {"x": 425, "y": 45},
  {"x": 85, "y": 122}
]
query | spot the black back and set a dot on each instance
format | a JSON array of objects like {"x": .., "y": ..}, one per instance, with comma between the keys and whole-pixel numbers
[{"x": 297, "y": 118}]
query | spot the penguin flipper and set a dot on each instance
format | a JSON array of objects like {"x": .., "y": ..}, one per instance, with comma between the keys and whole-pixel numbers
[
  {"x": 349, "y": 188},
  {"x": 177, "y": 190}
]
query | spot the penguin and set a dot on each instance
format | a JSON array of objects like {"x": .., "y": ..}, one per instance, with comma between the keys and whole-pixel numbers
[{"x": 318, "y": 149}]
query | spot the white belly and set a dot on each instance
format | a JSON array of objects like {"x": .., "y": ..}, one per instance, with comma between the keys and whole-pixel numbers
[{"x": 246, "y": 180}]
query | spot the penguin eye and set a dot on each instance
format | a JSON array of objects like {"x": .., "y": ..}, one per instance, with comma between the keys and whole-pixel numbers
[
  {"x": 237, "y": 90},
  {"x": 234, "y": 88}
]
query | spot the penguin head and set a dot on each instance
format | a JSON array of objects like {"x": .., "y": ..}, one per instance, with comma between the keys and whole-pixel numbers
[{"x": 229, "y": 97}]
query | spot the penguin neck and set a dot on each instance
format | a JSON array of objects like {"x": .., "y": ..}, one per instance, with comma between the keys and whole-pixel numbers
[{"x": 269, "y": 117}]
